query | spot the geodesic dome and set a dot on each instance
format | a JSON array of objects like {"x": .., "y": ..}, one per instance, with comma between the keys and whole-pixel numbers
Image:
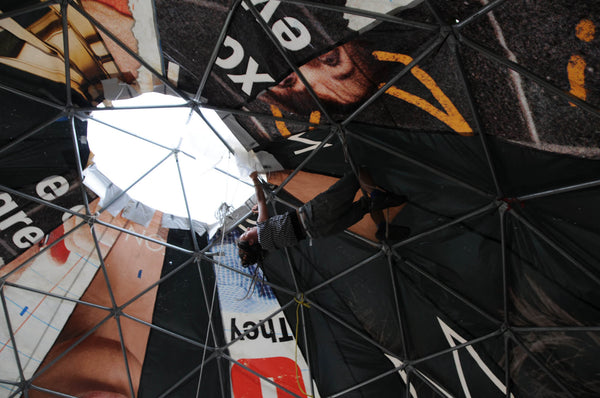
[{"x": 484, "y": 113}]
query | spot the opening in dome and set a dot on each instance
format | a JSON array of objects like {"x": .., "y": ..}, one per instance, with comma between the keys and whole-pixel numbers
[{"x": 164, "y": 144}]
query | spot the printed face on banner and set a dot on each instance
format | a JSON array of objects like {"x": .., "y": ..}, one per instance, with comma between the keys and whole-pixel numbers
[
  {"x": 340, "y": 78},
  {"x": 345, "y": 64},
  {"x": 347, "y": 76}
]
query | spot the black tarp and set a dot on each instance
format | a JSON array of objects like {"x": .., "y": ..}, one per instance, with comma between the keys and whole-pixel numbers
[
  {"x": 39, "y": 160},
  {"x": 182, "y": 307},
  {"x": 535, "y": 255}
]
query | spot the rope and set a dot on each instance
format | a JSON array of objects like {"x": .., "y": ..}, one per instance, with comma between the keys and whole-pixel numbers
[
  {"x": 222, "y": 212},
  {"x": 253, "y": 283},
  {"x": 300, "y": 303}
]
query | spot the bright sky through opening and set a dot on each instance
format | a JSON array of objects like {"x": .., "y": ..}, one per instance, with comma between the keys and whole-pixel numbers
[{"x": 203, "y": 159}]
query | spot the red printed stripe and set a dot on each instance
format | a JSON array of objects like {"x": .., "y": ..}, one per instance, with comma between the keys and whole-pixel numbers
[{"x": 120, "y": 5}]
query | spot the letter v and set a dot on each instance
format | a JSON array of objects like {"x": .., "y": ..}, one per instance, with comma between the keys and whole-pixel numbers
[
  {"x": 450, "y": 116},
  {"x": 454, "y": 338}
]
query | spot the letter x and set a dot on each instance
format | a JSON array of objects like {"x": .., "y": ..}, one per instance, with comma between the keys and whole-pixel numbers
[{"x": 251, "y": 77}]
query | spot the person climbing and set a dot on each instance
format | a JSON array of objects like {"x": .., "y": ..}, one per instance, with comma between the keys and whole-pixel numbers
[{"x": 328, "y": 213}]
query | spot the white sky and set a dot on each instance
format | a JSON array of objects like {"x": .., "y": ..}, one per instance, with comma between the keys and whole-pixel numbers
[{"x": 124, "y": 159}]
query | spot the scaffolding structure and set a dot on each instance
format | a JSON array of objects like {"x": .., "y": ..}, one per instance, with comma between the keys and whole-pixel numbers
[{"x": 497, "y": 203}]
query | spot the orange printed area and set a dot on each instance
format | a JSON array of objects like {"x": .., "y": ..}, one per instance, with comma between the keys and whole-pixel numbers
[
  {"x": 450, "y": 115},
  {"x": 576, "y": 73},
  {"x": 585, "y": 30},
  {"x": 280, "y": 125},
  {"x": 315, "y": 117}
]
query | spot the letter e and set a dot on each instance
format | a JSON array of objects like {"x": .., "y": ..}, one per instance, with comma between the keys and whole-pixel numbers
[
  {"x": 285, "y": 30},
  {"x": 52, "y": 187},
  {"x": 27, "y": 236}
]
